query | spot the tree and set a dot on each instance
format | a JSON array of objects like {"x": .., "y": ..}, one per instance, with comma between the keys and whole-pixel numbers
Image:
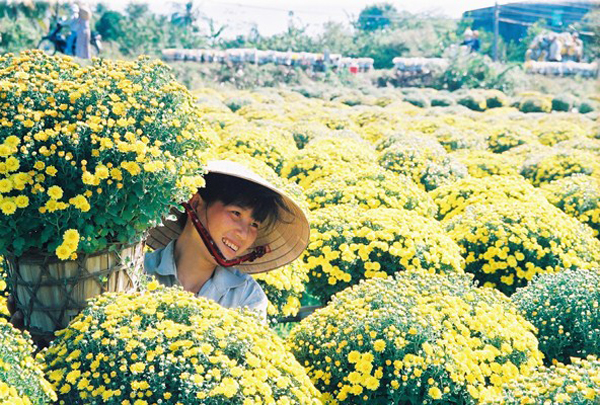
[
  {"x": 376, "y": 17},
  {"x": 110, "y": 25},
  {"x": 591, "y": 37}
]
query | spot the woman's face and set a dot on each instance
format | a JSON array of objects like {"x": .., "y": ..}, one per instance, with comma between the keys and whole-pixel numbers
[{"x": 232, "y": 227}]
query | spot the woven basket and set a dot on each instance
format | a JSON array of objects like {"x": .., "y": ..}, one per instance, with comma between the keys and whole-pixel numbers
[{"x": 51, "y": 292}]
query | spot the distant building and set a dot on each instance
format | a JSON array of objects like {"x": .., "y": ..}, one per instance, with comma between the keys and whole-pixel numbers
[{"x": 515, "y": 18}]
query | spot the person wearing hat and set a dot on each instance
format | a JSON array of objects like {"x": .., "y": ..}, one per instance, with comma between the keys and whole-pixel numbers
[{"x": 237, "y": 225}]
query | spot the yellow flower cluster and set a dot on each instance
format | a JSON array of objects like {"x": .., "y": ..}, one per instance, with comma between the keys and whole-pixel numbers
[
  {"x": 507, "y": 243},
  {"x": 481, "y": 163},
  {"x": 432, "y": 338},
  {"x": 564, "y": 308},
  {"x": 69, "y": 246},
  {"x": 168, "y": 346},
  {"x": 101, "y": 149},
  {"x": 271, "y": 146},
  {"x": 21, "y": 377},
  {"x": 575, "y": 383},
  {"x": 421, "y": 158},
  {"x": 578, "y": 196},
  {"x": 503, "y": 139},
  {"x": 454, "y": 199},
  {"x": 326, "y": 156},
  {"x": 349, "y": 244},
  {"x": 371, "y": 189},
  {"x": 554, "y": 164}
]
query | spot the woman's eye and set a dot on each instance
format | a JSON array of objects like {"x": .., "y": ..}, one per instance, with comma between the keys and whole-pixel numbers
[
  {"x": 255, "y": 225},
  {"x": 236, "y": 213}
]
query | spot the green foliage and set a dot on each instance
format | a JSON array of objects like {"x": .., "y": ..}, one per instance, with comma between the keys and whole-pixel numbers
[
  {"x": 564, "y": 309},
  {"x": 535, "y": 104},
  {"x": 376, "y": 17},
  {"x": 563, "y": 102},
  {"x": 110, "y": 25},
  {"x": 473, "y": 70},
  {"x": 473, "y": 100}
]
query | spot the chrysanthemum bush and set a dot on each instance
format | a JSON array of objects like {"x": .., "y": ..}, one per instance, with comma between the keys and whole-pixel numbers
[
  {"x": 577, "y": 383},
  {"x": 507, "y": 243},
  {"x": 168, "y": 346},
  {"x": 551, "y": 130},
  {"x": 325, "y": 156},
  {"x": 564, "y": 307},
  {"x": 272, "y": 146},
  {"x": 501, "y": 140},
  {"x": 481, "y": 163},
  {"x": 428, "y": 172},
  {"x": 21, "y": 377},
  {"x": 453, "y": 139},
  {"x": 415, "y": 338},
  {"x": 455, "y": 198},
  {"x": 557, "y": 163},
  {"x": 371, "y": 189},
  {"x": 3, "y": 291},
  {"x": 578, "y": 196},
  {"x": 284, "y": 288},
  {"x": 349, "y": 244},
  {"x": 98, "y": 151}
]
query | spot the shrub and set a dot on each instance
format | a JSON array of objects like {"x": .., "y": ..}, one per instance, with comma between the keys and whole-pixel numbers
[
  {"x": 454, "y": 199},
  {"x": 270, "y": 145},
  {"x": 325, "y": 156},
  {"x": 554, "y": 164},
  {"x": 533, "y": 104},
  {"x": 305, "y": 132},
  {"x": 99, "y": 151},
  {"x": 21, "y": 378},
  {"x": 563, "y": 102},
  {"x": 588, "y": 106},
  {"x": 496, "y": 99},
  {"x": 284, "y": 288},
  {"x": 417, "y": 100},
  {"x": 167, "y": 345},
  {"x": 576, "y": 383},
  {"x": 481, "y": 163},
  {"x": 475, "y": 101},
  {"x": 507, "y": 243},
  {"x": 235, "y": 103},
  {"x": 564, "y": 309},
  {"x": 578, "y": 196},
  {"x": 371, "y": 189},
  {"x": 415, "y": 338},
  {"x": 260, "y": 111},
  {"x": 348, "y": 245},
  {"x": 455, "y": 138},
  {"x": 429, "y": 167},
  {"x": 440, "y": 100},
  {"x": 501, "y": 140}
]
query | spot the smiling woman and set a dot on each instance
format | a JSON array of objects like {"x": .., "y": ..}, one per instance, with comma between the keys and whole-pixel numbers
[{"x": 237, "y": 225}]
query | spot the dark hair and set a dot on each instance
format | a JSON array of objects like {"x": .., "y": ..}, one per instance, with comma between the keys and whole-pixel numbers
[{"x": 265, "y": 203}]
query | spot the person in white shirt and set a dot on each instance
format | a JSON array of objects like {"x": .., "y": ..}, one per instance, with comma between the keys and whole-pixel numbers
[{"x": 237, "y": 225}]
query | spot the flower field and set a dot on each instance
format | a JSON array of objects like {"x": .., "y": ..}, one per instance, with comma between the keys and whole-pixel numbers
[{"x": 456, "y": 253}]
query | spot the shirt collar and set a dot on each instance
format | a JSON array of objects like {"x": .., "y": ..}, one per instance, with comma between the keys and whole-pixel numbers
[
  {"x": 166, "y": 266},
  {"x": 223, "y": 279}
]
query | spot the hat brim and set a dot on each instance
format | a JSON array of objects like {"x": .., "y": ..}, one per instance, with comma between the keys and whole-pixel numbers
[{"x": 287, "y": 238}]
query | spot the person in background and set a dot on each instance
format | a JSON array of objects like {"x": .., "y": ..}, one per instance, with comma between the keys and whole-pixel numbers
[
  {"x": 84, "y": 34},
  {"x": 475, "y": 43},
  {"x": 73, "y": 24}
]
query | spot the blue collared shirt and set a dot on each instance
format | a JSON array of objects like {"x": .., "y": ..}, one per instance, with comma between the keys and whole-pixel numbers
[{"x": 229, "y": 287}]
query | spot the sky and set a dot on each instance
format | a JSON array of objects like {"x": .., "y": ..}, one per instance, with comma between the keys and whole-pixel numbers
[{"x": 272, "y": 16}]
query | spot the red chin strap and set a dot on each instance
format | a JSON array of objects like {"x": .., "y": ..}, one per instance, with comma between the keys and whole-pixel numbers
[{"x": 212, "y": 247}]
